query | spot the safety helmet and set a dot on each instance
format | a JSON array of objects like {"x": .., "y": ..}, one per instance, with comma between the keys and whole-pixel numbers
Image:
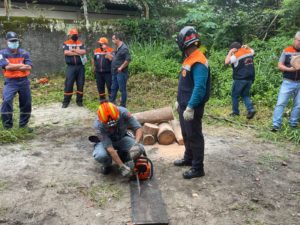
[
  {"x": 186, "y": 37},
  {"x": 108, "y": 114},
  {"x": 11, "y": 36},
  {"x": 73, "y": 31},
  {"x": 103, "y": 40}
]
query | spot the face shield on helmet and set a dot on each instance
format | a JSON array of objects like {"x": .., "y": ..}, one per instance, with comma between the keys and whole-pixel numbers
[
  {"x": 108, "y": 114},
  {"x": 186, "y": 37}
]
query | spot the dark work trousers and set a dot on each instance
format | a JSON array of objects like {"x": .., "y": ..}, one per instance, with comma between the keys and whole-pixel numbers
[
  {"x": 102, "y": 79},
  {"x": 193, "y": 137},
  {"x": 75, "y": 73},
  {"x": 12, "y": 86}
]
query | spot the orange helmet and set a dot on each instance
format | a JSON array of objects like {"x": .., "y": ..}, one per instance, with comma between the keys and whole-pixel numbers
[
  {"x": 108, "y": 114},
  {"x": 103, "y": 40},
  {"x": 73, "y": 31}
]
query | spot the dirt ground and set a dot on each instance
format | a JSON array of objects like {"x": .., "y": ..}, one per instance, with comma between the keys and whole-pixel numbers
[{"x": 53, "y": 179}]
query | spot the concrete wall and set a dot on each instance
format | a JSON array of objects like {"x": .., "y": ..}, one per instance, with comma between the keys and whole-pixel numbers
[{"x": 45, "y": 50}]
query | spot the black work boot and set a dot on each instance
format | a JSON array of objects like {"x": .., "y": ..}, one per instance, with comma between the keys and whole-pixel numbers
[
  {"x": 65, "y": 104},
  {"x": 182, "y": 162},
  {"x": 105, "y": 170},
  {"x": 192, "y": 173},
  {"x": 80, "y": 104}
]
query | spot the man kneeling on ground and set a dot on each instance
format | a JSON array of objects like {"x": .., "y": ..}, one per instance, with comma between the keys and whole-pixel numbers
[{"x": 115, "y": 143}]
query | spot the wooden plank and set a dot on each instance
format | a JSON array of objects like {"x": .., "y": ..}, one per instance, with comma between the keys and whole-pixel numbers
[{"x": 149, "y": 207}]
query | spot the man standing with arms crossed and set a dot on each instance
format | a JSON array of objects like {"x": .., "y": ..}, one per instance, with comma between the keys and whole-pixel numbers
[
  {"x": 16, "y": 65},
  {"x": 74, "y": 52}
]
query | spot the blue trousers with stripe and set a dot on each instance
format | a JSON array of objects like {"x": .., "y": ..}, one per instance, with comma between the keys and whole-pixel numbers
[{"x": 12, "y": 86}]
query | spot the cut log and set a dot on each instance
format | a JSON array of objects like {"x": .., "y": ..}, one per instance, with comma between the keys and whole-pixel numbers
[
  {"x": 165, "y": 134},
  {"x": 149, "y": 139},
  {"x": 177, "y": 131},
  {"x": 155, "y": 115},
  {"x": 150, "y": 128}
]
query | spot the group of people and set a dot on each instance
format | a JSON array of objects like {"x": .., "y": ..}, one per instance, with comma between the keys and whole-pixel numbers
[
  {"x": 240, "y": 57},
  {"x": 109, "y": 66},
  {"x": 114, "y": 143}
]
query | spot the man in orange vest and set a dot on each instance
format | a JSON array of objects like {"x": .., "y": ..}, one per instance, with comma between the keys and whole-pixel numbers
[
  {"x": 16, "y": 65},
  {"x": 193, "y": 93},
  {"x": 74, "y": 51},
  {"x": 290, "y": 86},
  {"x": 102, "y": 67},
  {"x": 241, "y": 59}
]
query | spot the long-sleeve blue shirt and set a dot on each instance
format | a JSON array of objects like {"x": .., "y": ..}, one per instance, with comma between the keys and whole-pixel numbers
[{"x": 199, "y": 73}]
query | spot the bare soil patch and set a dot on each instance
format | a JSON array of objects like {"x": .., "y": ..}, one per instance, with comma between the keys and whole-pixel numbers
[{"x": 53, "y": 179}]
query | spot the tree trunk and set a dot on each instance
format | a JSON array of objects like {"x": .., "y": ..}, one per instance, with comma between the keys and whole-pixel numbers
[
  {"x": 7, "y": 6},
  {"x": 85, "y": 12},
  {"x": 146, "y": 9},
  {"x": 155, "y": 116},
  {"x": 177, "y": 131},
  {"x": 165, "y": 134},
  {"x": 149, "y": 139},
  {"x": 150, "y": 128}
]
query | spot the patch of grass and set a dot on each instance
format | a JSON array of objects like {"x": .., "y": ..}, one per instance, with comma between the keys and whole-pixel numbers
[
  {"x": 244, "y": 207},
  {"x": 253, "y": 222},
  {"x": 103, "y": 193},
  {"x": 3, "y": 185},
  {"x": 14, "y": 135},
  {"x": 272, "y": 161}
]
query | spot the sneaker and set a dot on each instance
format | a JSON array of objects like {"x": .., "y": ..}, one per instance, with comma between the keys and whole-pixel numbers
[
  {"x": 192, "y": 173},
  {"x": 182, "y": 162},
  {"x": 65, "y": 105},
  {"x": 275, "y": 129},
  {"x": 105, "y": 170},
  {"x": 234, "y": 114},
  {"x": 250, "y": 115},
  {"x": 79, "y": 104}
]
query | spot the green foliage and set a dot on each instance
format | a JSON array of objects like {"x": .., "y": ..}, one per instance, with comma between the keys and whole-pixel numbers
[
  {"x": 290, "y": 17},
  {"x": 158, "y": 58},
  {"x": 145, "y": 30}
]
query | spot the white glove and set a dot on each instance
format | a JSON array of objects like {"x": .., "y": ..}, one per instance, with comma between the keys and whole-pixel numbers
[
  {"x": 125, "y": 171},
  {"x": 176, "y": 105},
  {"x": 188, "y": 114}
]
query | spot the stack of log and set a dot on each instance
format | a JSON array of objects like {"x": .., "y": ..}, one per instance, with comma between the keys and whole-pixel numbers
[{"x": 160, "y": 126}]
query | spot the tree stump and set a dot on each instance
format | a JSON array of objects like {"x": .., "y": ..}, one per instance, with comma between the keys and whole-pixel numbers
[
  {"x": 177, "y": 131},
  {"x": 149, "y": 139},
  {"x": 165, "y": 134},
  {"x": 150, "y": 128}
]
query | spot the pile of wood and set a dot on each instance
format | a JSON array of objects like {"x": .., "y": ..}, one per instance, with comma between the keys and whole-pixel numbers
[{"x": 160, "y": 126}]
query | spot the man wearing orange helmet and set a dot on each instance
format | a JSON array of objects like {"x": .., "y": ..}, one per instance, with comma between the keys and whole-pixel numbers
[
  {"x": 115, "y": 145},
  {"x": 102, "y": 67},
  {"x": 193, "y": 93},
  {"x": 74, "y": 51}
]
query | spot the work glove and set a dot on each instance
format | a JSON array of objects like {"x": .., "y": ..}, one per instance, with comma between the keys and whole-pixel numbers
[
  {"x": 136, "y": 151},
  {"x": 125, "y": 170},
  {"x": 188, "y": 114},
  {"x": 176, "y": 105}
]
